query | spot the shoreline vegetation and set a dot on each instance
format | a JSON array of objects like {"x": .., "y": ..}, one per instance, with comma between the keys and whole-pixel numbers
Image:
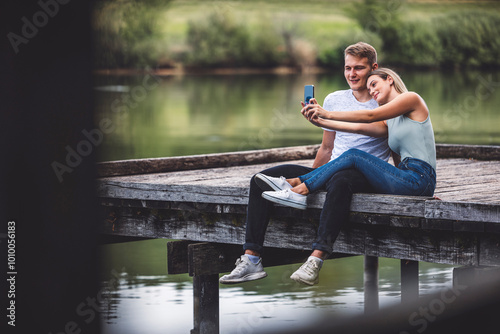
[{"x": 276, "y": 36}]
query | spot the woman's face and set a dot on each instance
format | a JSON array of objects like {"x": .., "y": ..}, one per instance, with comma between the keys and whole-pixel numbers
[{"x": 379, "y": 89}]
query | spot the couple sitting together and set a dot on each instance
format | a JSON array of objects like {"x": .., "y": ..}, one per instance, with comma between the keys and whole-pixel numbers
[{"x": 362, "y": 125}]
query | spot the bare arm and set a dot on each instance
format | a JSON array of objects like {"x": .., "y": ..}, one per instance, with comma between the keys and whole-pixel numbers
[
  {"x": 375, "y": 129},
  {"x": 325, "y": 150},
  {"x": 407, "y": 103}
]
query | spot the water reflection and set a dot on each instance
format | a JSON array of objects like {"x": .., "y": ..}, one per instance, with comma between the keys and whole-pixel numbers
[
  {"x": 171, "y": 116},
  {"x": 141, "y": 297}
]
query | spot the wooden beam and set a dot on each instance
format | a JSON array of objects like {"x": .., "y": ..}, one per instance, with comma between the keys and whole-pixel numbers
[
  {"x": 385, "y": 240},
  {"x": 205, "y": 304},
  {"x": 480, "y": 152},
  {"x": 409, "y": 281},
  {"x": 177, "y": 256},
  {"x": 214, "y": 258},
  {"x": 370, "y": 278},
  {"x": 162, "y": 165},
  {"x": 169, "y": 164},
  {"x": 410, "y": 206}
]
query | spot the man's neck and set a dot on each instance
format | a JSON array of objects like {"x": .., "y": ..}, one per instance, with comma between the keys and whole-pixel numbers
[{"x": 362, "y": 95}]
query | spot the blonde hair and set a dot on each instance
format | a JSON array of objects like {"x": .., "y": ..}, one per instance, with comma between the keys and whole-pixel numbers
[
  {"x": 384, "y": 73},
  {"x": 362, "y": 50}
]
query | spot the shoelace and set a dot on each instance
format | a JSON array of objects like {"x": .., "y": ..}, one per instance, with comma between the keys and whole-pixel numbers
[
  {"x": 283, "y": 179},
  {"x": 284, "y": 192},
  {"x": 310, "y": 267},
  {"x": 240, "y": 265}
]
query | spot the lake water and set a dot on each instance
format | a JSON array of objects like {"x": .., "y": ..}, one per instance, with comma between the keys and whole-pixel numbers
[{"x": 147, "y": 116}]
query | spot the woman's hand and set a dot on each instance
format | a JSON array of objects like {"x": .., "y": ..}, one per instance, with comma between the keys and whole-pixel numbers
[{"x": 313, "y": 111}]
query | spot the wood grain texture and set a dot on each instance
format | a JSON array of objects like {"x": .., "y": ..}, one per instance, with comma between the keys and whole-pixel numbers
[{"x": 209, "y": 205}]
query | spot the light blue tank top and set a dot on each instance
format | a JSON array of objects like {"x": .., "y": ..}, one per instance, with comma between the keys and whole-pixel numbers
[{"x": 412, "y": 139}]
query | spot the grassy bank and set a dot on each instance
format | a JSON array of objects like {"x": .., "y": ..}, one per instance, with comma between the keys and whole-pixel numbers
[{"x": 298, "y": 34}]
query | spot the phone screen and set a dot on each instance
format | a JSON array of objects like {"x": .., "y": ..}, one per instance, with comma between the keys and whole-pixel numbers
[{"x": 308, "y": 93}]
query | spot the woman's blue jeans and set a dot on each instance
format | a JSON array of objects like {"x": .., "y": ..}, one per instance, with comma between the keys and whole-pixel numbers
[{"x": 412, "y": 177}]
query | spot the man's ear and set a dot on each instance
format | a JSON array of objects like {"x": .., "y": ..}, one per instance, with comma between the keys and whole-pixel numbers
[{"x": 374, "y": 66}]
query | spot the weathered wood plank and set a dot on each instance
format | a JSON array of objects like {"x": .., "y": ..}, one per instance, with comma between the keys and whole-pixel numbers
[
  {"x": 412, "y": 243},
  {"x": 213, "y": 258},
  {"x": 483, "y": 152},
  {"x": 462, "y": 211},
  {"x": 162, "y": 165},
  {"x": 230, "y": 186},
  {"x": 177, "y": 256}
]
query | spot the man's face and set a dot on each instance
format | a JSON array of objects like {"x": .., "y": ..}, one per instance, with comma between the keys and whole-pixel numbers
[{"x": 356, "y": 70}]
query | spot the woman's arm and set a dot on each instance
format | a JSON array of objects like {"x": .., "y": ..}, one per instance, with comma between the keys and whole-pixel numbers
[
  {"x": 375, "y": 129},
  {"x": 402, "y": 104}
]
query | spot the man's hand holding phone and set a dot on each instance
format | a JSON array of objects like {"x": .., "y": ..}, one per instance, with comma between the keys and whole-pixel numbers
[{"x": 308, "y": 110}]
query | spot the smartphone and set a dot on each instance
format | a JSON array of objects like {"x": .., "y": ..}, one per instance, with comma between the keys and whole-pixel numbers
[{"x": 308, "y": 93}]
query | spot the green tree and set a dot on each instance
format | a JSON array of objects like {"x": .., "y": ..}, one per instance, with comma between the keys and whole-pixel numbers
[{"x": 126, "y": 32}]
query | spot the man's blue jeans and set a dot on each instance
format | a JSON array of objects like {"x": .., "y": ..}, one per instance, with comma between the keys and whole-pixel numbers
[{"x": 412, "y": 177}]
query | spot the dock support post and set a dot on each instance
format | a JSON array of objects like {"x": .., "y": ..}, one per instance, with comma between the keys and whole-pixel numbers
[
  {"x": 409, "y": 281},
  {"x": 371, "y": 284},
  {"x": 206, "y": 304}
]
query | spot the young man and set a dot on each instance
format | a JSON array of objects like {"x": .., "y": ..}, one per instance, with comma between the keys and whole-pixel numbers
[{"x": 360, "y": 60}]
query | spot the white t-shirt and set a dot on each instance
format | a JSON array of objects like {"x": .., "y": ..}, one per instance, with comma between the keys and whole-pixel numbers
[{"x": 344, "y": 100}]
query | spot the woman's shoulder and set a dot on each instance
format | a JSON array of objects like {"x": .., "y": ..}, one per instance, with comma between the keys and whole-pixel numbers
[
  {"x": 411, "y": 95},
  {"x": 411, "y": 98}
]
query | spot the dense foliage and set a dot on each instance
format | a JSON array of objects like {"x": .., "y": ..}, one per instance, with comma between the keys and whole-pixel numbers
[{"x": 128, "y": 33}]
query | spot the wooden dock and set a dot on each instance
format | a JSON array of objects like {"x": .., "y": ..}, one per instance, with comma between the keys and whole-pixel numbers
[{"x": 202, "y": 200}]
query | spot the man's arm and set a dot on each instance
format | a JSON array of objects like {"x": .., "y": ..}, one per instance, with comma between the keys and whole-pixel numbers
[{"x": 325, "y": 150}]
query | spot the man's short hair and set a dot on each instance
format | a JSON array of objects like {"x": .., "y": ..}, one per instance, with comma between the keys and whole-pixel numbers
[{"x": 362, "y": 50}]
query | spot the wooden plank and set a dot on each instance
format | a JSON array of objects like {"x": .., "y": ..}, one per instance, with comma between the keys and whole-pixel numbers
[
  {"x": 420, "y": 245},
  {"x": 206, "y": 304},
  {"x": 489, "y": 245},
  {"x": 432, "y": 245},
  {"x": 213, "y": 258},
  {"x": 177, "y": 256},
  {"x": 409, "y": 281},
  {"x": 483, "y": 152},
  {"x": 162, "y": 165},
  {"x": 462, "y": 211},
  {"x": 370, "y": 284}
]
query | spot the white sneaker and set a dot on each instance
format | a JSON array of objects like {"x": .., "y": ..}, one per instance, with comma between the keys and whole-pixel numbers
[
  {"x": 245, "y": 271},
  {"x": 308, "y": 273},
  {"x": 286, "y": 197},
  {"x": 271, "y": 183}
]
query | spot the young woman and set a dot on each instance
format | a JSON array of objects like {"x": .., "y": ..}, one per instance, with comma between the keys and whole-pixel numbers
[{"x": 403, "y": 115}]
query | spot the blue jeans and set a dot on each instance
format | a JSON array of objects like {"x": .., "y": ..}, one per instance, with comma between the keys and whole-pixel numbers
[{"x": 412, "y": 177}]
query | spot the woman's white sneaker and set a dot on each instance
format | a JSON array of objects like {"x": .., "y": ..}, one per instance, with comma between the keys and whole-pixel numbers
[
  {"x": 271, "y": 183},
  {"x": 286, "y": 197}
]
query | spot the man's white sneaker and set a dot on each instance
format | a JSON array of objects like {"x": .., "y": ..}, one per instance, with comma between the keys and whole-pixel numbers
[
  {"x": 286, "y": 197},
  {"x": 245, "y": 271},
  {"x": 267, "y": 183},
  {"x": 308, "y": 273}
]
